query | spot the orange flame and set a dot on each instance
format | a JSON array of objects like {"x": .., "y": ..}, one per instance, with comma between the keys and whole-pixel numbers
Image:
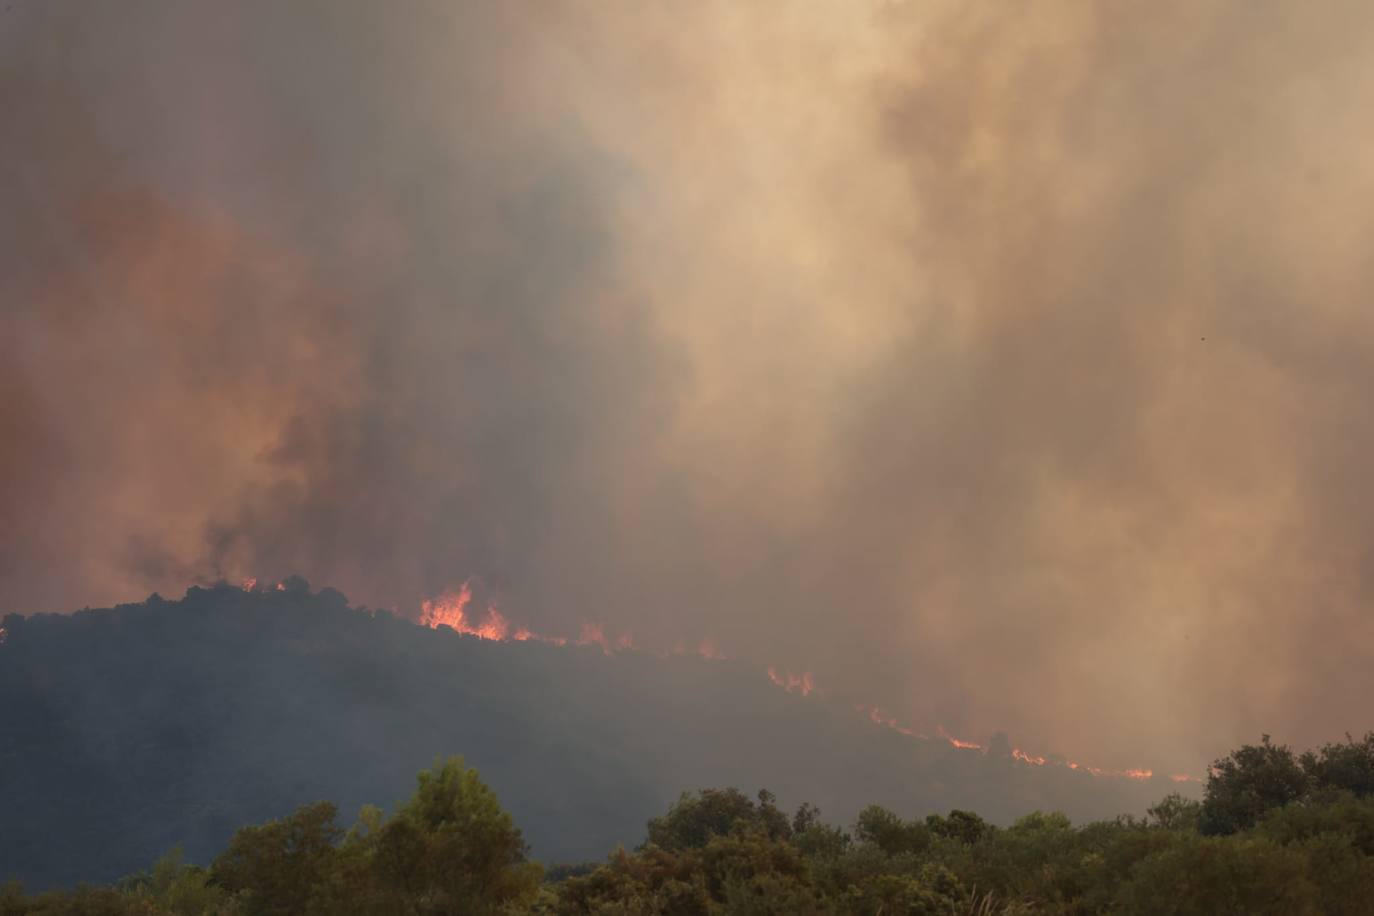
[
  {"x": 450, "y": 610},
  {"x": 250, "y": 583},
  {"x": 878, "y": 717},
  {"x": 793, "y": 683},
  {"x": 1119, "y": 774},
  {"x": 955, "y": 742},
  {"x": 594, "y": 634}
]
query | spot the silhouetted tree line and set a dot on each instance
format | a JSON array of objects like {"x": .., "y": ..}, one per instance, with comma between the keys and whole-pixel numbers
[{"x": 1275, "y": 832}]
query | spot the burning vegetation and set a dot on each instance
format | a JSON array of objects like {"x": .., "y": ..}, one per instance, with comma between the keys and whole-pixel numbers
[{"x": 451, "y": 610}]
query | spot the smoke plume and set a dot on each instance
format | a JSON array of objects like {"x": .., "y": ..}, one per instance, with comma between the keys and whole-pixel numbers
[{"x": 1008, "y": 365}]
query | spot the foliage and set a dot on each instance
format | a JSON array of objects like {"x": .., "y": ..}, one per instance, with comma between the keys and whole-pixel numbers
[
  {"x": 694, "y": 819},
  {"x": 1291, "y": 847},
  {"x": 275, "y": 869},
  {"x": 451, "y": 848},
  {"x": 1174, "y": 812},
  {"x": 1258, "y": 778},
  {"x": 1252, "y": 780}
]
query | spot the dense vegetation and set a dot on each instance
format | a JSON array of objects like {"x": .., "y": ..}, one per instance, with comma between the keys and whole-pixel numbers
[
  {"x": 129, "y": 730},
  {"x": 1275, "y": 833}
]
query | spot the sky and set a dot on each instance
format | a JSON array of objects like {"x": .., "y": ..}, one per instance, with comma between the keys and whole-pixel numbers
[{"x": 1007, "y": 366}]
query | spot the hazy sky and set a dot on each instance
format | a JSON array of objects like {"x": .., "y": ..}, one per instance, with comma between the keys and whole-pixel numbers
[{"x": 1008, "y": 365}]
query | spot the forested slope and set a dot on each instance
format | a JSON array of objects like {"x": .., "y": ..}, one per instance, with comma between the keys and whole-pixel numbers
[{"x": 126, "y": 731}]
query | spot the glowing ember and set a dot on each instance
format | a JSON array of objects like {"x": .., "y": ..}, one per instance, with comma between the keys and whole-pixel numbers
[
  {"x": 249, "y": 584},
  {"x": 1032, "y": 759},
  {"x": 793, "y": 683},
  {"x": 879, "y": 717},
  {"x": 955, "y": 742},
  {"x": 594, "y": 634},
  {"x": 4, "y": 635}
]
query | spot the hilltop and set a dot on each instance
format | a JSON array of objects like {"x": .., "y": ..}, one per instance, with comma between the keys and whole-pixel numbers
[{"x": 126, "y": 731}]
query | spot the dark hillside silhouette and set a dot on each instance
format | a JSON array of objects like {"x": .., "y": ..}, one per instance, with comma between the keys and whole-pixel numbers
[{"x": 127, "y": 731}]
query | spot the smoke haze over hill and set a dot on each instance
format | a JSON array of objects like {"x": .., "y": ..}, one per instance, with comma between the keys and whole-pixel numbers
[
  {"x": 1008, "y": 366},
  {"x": 127, "y": 731}
]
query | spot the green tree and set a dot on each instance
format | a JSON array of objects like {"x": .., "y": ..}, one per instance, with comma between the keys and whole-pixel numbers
[
  {"x": 452, "y": 848},
  {"x": 178, "y": 888},
  {"x": 1347, "y": 766},
  {"x": 964, "y": 826},
  {"x": 275, "y": 868},
  {"x": 888, "y": 832},
  {"x": 1221, "y": 876},
  {"x": 693, "y": 820},
  {"x": 1174, "y": 812},
  {"x": 1244, "y": 786}
]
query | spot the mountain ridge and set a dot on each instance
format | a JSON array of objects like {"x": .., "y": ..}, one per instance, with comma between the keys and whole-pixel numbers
[{"x": 126, "y": 731}]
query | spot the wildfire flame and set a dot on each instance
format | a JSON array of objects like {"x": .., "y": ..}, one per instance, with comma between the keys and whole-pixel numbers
[
  {"x": 793, "y": 683},
  {"x": 593, "y": 634},
  {"x": 4, "y": 635},
  {"x": 955, "y": 742},
  {"x": 1099, "y": 771},
  {"x": 250, "y": 583},
  {"x": 708, "y": 649},
  {"x": 878, "y": 717},
  {"x": 450, "y": 610}
]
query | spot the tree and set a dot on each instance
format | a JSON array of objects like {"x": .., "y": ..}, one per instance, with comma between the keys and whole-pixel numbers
[
  {"x": 453, "y": 848},
  {"x": 694, "y": 819},
  {"x": 1174, "y": 812},
  {"x": 1209, "y": 876},
  {"x": 1348, "y": 766},
  {"x": 275, "y": 868},
  {"x": 1253, "y": 780},
  {"x": 891, "y": 834},
  {"x": 964, "y": 826}
]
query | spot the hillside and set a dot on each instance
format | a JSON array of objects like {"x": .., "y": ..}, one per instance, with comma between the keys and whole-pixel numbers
[{"x": 126, "y": 731}]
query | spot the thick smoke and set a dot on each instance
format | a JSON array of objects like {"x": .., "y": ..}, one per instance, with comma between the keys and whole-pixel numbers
[{"x": 1007, "y": 367}]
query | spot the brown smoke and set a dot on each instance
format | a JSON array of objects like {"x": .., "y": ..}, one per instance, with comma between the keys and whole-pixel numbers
[{"x": 1005, "y": 365}]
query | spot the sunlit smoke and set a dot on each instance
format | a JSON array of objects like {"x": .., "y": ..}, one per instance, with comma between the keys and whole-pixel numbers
[{"x": 963, "y": 345}]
